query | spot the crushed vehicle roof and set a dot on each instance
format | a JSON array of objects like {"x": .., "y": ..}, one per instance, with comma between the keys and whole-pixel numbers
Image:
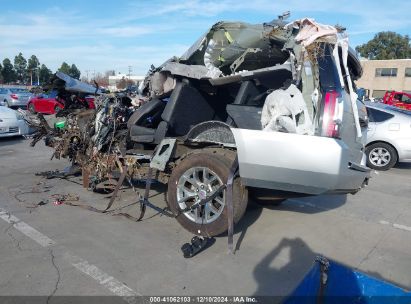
[
  {"x": 64, "y": 81},
  {"x": 232, "y": 48}
]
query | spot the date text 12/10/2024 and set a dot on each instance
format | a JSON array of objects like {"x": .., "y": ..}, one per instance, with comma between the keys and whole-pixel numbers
[{"x": 203, "y": 299}]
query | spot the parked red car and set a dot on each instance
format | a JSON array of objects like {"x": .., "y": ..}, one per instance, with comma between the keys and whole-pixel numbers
[
  {"x": 398, "y": 99},
  {"x": 51, "y": 104}
]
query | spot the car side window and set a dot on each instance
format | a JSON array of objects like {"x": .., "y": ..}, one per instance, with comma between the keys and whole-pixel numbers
[
  {"x": 378, "y": 116},
  {"x": 406, "y": 99}
]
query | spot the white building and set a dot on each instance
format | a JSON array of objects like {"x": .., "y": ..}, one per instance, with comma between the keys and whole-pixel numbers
[{"x": 114, "y": 80}]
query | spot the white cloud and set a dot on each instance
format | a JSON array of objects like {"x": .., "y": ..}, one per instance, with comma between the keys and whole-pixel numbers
[{"x": 371, "y": 16}]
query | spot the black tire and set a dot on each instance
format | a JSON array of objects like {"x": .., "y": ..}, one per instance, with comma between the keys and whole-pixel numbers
[
  {"x": 31, "y": 108},
  {"x": 220, "y": 165},
  {"x": 389, "y": 156}
]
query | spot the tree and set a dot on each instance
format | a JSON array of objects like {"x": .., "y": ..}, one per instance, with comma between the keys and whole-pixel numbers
[
  {"x": 20, "y": 66},
  {"x": 74, "y": 72},
  {"x": 101, "y": 79},
  {"x": 386, "y": 45},
  {"x": 65, "y": 68},
  {"x": 32, "y": 65},
  {"x": 1, "y": 76},
  {"x": 44, "y": 74},
  {"x": 7, "y": 72},
  {"x": 122, "y": 84}
]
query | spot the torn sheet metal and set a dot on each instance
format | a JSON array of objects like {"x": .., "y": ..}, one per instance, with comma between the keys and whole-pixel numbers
[
  {"x": 163, "y": 153},
  {"x": 189, "y": 71},
  {"x": 313, "y": 32},
  {"x": 75, "y": 85},
  {"x": 226, "y": 42},
  {"x": 286, "y": 111}
]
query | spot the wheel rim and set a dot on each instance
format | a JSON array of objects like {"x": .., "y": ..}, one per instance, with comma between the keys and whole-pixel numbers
[
  {"x": 379, "y": 157},
  {"x": 196, "y": 184}
]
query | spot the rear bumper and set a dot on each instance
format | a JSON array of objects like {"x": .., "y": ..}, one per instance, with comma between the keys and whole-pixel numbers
[
  {"x": 298, "y": 163},
  {"x": 15, "y": 103},
  {"x": 18, "y": 128}
]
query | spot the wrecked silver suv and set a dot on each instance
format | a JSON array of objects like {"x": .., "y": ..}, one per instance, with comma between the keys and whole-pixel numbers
[
  {"x": 275, "y": 101},
  {"x": 278, "y": 97}
]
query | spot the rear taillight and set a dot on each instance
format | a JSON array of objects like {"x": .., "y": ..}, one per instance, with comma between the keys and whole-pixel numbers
[
  {"x": 332, "y": 115},
  {"x": 14, "y": 96}
]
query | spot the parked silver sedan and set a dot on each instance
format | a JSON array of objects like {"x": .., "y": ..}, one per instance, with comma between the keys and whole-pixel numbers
[
  {"x": 14, "y": 97},
  {"x": 12, "y": 123},
  {"x": 389, "y": 136}
]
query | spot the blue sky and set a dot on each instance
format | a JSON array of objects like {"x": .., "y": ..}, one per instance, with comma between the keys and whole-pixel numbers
[{"x": 102, "y": 35}]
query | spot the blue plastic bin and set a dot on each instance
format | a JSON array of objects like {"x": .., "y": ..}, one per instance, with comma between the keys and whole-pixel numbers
[{"x": 329, "y": 282}]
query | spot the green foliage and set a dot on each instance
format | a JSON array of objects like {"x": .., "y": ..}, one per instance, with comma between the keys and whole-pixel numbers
[
  {"x": 33, "y": 63},
  {"x": 74, "y": 72},
  {"x": 7, "y": 72},
  {"x": 23, "y": 71},
  {"x": 44, "y": 74},
  {"x": 386, "y": 45},
  {"x": 20, "y": 66},
  {"x": 65, "y": 68}
]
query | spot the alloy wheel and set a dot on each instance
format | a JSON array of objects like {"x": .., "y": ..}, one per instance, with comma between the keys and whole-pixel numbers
[{"x": 196, "y": 184}]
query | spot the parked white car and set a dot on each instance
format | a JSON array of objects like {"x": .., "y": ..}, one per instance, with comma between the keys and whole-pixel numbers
[
  {"x": 389, "y": 136},
  {"x": 12, "y": 123}
]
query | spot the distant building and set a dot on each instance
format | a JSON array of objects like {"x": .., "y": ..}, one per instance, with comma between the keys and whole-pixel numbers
[
  {"x": 382, "y": 75},
  {"x": 113, "y": 81}
]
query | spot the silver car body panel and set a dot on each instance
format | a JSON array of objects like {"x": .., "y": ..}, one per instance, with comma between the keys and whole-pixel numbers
[
  {"x": 10, "y": 125},
  {"x": 298, "y": 163},
  {"x": 396, "y": 131},
  {"x": 23, "y": 97}
]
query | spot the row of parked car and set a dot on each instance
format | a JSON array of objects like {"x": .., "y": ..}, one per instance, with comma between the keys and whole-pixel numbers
[
  {"x": 12, "y": 122},
  {"x": 46, "y": 103}
]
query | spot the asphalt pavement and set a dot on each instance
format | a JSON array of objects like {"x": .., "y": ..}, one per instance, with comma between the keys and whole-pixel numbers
[{"x": 53, "y": 250}]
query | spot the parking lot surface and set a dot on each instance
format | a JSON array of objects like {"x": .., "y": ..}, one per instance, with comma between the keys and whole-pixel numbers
[{"x": 53, "y": 250}]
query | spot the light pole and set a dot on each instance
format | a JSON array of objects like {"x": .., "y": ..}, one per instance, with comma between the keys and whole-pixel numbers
[{"x": 129, "y": 71}]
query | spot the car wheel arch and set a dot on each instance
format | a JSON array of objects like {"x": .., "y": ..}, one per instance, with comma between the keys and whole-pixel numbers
[
  {"x": 211, "y": 132},
  {"x": 381, "y": 161},
  {"x": 383, "y": 142}
]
